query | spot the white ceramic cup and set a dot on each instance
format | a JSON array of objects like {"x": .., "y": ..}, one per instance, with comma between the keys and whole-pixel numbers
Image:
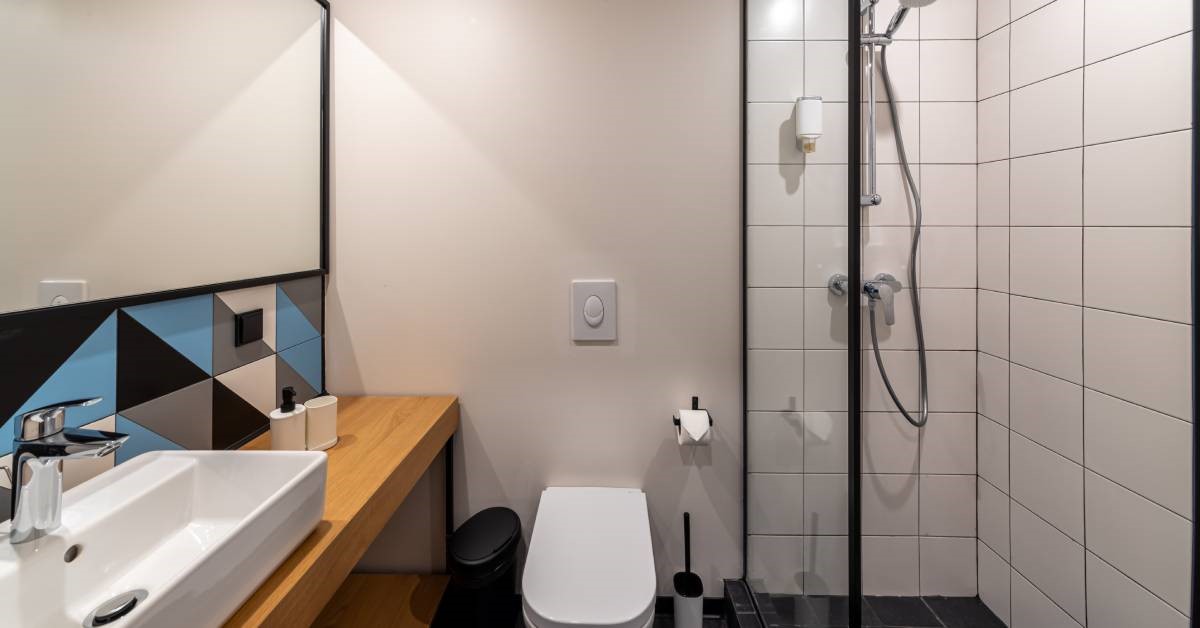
[{"x": 322, "y": 422}]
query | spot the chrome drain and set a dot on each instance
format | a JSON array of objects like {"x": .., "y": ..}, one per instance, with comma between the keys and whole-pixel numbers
[{"x": 114, "y": 609}]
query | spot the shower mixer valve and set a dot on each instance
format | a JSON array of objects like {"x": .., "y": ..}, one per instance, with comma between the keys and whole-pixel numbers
[{"x": 882, "y": 291}]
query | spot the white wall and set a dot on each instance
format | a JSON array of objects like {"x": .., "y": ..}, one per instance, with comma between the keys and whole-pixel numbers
[
  {"x": 486, "y": 154},
  {"x": 918, "y": 485},
  {"x": 1084, "y": 370},
  {"x": 149, "y": 146}
]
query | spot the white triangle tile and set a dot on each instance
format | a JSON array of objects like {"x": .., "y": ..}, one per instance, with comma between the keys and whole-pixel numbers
[
  {"x": 248, "y": 299},
  {"x": 254, "y": 382}
]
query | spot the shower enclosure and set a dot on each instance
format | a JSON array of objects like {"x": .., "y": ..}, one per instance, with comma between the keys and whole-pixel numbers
[{"x": 969, "y": 312}]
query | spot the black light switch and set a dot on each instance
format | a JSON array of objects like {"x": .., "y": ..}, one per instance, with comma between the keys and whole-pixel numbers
[{"x": 247, "y": 327}]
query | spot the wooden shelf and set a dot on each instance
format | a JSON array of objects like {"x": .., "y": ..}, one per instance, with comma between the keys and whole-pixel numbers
[
  {"x": 385, "y": 446},
  {"x": 384, "y": 601}
]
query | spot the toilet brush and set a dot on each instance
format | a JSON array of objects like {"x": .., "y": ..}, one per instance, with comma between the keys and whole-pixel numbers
[{"x": 689, "y": 589}]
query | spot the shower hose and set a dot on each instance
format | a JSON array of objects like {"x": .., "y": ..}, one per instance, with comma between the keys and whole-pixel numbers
[{"x": 923, "y": 375}]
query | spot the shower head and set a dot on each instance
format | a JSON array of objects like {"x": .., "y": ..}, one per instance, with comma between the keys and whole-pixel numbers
[{"x": 902, "y": 12}]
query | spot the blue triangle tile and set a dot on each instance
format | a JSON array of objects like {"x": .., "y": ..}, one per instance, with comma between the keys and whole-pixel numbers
[
  {"x": 291, "y": 325},
  {"x": 305, "y": 359},
  {"x": 91, "y": 371},
  {"x": 141, "y": 440},
  {"x": 185, "y": 324}
]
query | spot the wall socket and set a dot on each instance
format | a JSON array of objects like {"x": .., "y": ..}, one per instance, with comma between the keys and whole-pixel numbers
[{"x": 61, "y": 291}]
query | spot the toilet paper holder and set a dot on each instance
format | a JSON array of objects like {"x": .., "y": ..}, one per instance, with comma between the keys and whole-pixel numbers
[{"x": 695, "y": 406}]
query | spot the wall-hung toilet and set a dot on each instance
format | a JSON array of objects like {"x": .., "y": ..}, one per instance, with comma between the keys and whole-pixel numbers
[{"x": 590, "y": 562}]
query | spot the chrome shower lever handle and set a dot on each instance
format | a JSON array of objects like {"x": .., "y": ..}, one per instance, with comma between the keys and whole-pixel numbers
[{"x": 882, "y": 290}]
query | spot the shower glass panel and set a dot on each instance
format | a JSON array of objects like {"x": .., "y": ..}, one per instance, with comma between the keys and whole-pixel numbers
[{"x": 970, "y": 287}]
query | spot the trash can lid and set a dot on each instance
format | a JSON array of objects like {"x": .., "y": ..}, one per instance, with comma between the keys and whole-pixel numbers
[{"x": 487, "y": 535}]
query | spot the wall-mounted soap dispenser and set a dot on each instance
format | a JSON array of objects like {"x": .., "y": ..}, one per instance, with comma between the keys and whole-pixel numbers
[{"x": 809, "y": 122}]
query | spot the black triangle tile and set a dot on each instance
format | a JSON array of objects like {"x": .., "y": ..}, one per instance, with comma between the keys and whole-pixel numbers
[
  {"x": 34, "y": 344},
  {"x": 285, "y": 375},
  {"x": 227, "y": 357},
  {"x": 148, "y": 367},
  {"x": 308, "y": 296},
  {"x": 184, "y": 416},
  {"x": 233, "y": 417}
]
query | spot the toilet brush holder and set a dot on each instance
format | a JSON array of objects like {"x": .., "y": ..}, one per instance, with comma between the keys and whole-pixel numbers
[{"x": 689, "y": 588}]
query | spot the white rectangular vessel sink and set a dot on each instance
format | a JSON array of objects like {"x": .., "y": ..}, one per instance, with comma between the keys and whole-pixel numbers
[{"x": 189, "y": 534}]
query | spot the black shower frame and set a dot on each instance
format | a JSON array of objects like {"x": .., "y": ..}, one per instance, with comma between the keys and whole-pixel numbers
[{"x": 854, "y": 321}]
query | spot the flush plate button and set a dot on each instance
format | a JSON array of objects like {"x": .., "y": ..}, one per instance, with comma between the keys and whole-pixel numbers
[{"x": 594, "y": 310}]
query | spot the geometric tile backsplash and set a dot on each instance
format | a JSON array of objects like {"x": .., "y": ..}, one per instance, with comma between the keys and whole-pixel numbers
[{"x": 168, "y": 371}]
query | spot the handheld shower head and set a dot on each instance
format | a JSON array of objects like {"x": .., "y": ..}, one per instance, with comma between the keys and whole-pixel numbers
[
  {"x": 902, "y": 12},
  {"x": 915, "y": 4}
]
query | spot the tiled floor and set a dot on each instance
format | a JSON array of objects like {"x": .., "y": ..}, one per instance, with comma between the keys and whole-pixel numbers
[{"x": 786, "y": 611}]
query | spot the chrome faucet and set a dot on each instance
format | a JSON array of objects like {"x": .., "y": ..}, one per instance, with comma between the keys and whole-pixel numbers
[
  {"x": 882, "y": 291},
  {"x": 40, "y": 444}
]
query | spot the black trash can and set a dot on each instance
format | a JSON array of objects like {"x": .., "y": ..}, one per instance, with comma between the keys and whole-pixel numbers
[{"x": 483, "y": 556}]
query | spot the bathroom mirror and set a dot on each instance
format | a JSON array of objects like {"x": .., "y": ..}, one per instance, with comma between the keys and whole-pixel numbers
[{"x": 150, "y": 146}]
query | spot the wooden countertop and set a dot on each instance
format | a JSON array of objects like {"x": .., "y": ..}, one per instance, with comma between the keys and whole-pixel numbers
[{"x": 385, "y": 446}]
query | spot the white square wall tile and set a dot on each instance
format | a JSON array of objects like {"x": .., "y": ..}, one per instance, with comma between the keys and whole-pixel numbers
[
  {"x": 1116, "y": 26},
  {"x": 1047, "y": 42},
  {"x": 948, "y": 193},
  {"x": 1047, "y": 263},
  {"x": 1031, "y": 607},
  {"x": 826, "y": 69},
  {"x": 902, "y": 372},
  {"x": 910, "y": 124},
  {"x": 993, "y": 64},
  {"x": 774, "y": 19},
  {"x": 948, "y": 566},
  {"x": 776, "y": 564},
  {"x": 948, "y": 70},
  {"x": 948, "y": 257},
  {"x": 1022, "y": 8},
  {"x": 951, "y": 381},
  {"x": 826, "y": 570},
  {"x": 911, "y": 28},
  {"x": 993, "y": 194},
  {"x": 993, "y": 453},
  {"x": 1139, "y": 182},
  {"x": 1048, "y": 410},
  {"x": 1047, "y": 190},
  {"x": 775, "y": 257},
  {"x": 993, "y": 387},
  {"x": 825, "y": 442},
  {"x": 992, "y": 519},
  {"x": 1049, "y": 559},
  {"x": 775, "y": 194},
  {"x": 992, "y": 14},
  {"x": 949, "y": 319},
  {"x": 890, "y": 443},
  {"x": 775, "y": 441},
  {"x": 994, "y": 582},
  {"x": 1048, "y": 485},
  {"x": 775, "y": 503},
  {"x": 825, "y": 188},
  {"x": 1048, "y": 337},
  {"x": 1160, "y": 77},
  {"x": 947, "y": 133},
  {"x": 775, "y": 318},
  {"x": 896, "y": 206},
  {"x": 903, "y": 63},
  {"x": 948, "y": 444},
  {"x": 774, "y": 71},
  {"x": 1138, "y": 270},
  {"x": 771, "y": 134},
  {"x": 825, "y": 380},
  {"x": 949, "y": 19},
  {"x": 886, "y": 250},
  {"x": 993, "y": 323},
  {"x": 890, "y": 565},
  {"x": 825, "y": 19},
  {"x": 1115, "y": 601},
  {"x": 1140, "y": 538},
  {"x": 825, "y": 250},
  {"x": 1142, "y": 360},
  {"x": 993, "y": 129},
  {"x": 948, "y": 505},
  {"x": 776, "y": 380},
  {"x": 831, "y": 148},
  {"x": 824, "y": 319},
  {"x": 825, "y": 504},
  {"x": 1140, "y": 449},
  {"x": 1048, "y": 115},
  {"x": 889, "y": 505}
]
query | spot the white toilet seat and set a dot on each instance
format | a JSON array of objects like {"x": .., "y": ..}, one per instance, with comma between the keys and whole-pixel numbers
[{"x": 590, "y": 561}]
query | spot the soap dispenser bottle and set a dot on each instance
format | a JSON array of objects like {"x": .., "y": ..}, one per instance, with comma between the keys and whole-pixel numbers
[{"x": 288, "y": 423}]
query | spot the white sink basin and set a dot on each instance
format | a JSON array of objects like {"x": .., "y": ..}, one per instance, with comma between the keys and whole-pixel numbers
[{"x": 197, "y": 531}]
